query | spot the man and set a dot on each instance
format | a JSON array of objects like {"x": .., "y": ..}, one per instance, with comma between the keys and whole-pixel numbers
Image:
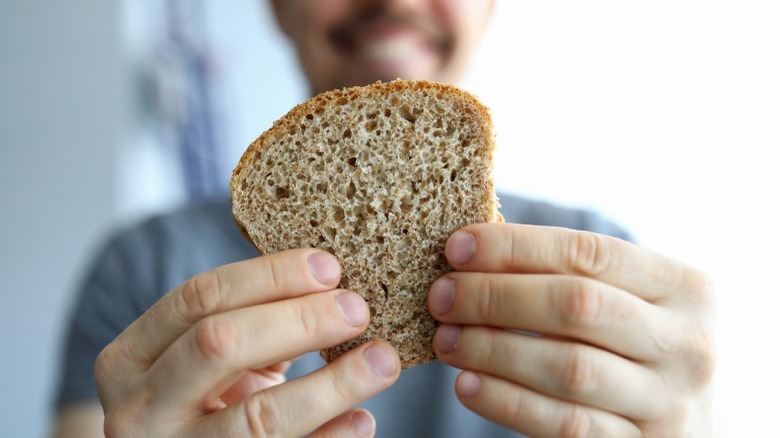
[{"x": 623, "y": 345}]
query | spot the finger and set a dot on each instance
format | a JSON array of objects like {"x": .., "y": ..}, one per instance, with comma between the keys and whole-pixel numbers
[
  {"x": 562, "y": 369},
  {"x": 251, "y": 382},
  {"x": 526, "y": 248},
  {"x": 563, "y": 305},
  {"x": 535, "y": 414},
  {"x": 220, "y": 348},
  {"x": 354, "y": 423},
  {"x": 301, "y": 405},
  {"x": 250, "y": 282}
]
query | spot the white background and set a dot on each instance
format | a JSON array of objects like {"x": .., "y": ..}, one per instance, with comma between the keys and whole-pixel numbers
[{"x": 663, "y": 115}]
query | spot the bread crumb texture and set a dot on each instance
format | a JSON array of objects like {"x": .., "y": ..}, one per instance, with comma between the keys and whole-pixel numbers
[{"x": 380, "y": 176}]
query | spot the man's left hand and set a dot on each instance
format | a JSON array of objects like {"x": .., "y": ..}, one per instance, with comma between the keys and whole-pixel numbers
[{"x": 572, "y": 333}]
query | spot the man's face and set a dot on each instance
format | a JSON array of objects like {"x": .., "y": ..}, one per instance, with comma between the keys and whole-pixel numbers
[{"x": 356, "y": 42}]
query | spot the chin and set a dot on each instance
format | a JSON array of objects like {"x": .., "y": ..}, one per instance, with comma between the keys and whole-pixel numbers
[{"x": 390, "y": 73}]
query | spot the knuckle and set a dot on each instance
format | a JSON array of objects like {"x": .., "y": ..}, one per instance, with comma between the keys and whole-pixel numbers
[
  {"x": 665, "y": 343},
  {"x": 581, "y": 303},
  {"x": 343, "y": 385},
  {"x": 702, "y": 356},
  {"x": 489, "y": 299},
  {"x": 489, "y": 347},
  {"x": 309, "y": 321},
  {"x": 274, "y": 274},
  {"x": 114, "y": 425},
  {"x": 107, "y": 361},
  {"x": 576, "y": 423},
  {"x": 514, "y": 405},
  {"x": 576, "y": 372},
  {"x": 106, "y": 371},
  {"x": 216, "y": 338},
  {"x": 511, "y": 255},
  {"x": 123, "y": 420},
  {"x": 701, "y": 287},
  {"x": 200, "y": 296},
  {"x": 589, "y": 253},
  {"x": 262, "y": 416}
]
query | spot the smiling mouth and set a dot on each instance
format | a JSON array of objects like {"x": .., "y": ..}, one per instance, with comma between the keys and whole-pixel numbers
[
  {"x": 389, "y": 42},
  {"x": 390, "y": 49}
]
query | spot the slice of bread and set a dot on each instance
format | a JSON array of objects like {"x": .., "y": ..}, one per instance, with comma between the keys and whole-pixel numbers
[{"x": 380, "y": 176}]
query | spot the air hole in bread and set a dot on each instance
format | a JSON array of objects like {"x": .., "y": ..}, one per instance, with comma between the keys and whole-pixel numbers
[
  {"x": 338, "y": 214},
  {"x": 407, "y": 115},
  {"x": 281, "y": 193},
  {"x": 330, "y": 233}
]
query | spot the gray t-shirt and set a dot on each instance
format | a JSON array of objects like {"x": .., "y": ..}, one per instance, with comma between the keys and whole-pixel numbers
[{"x": 138, "y": 265}]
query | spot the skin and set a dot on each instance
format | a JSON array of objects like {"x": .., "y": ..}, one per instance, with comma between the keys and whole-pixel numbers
[
  {"x": 343, "y": 43},
  {"x": 209, "y": 358},
  {"x": 621, "y": 345},
  {"x": 559, "y": 333}
]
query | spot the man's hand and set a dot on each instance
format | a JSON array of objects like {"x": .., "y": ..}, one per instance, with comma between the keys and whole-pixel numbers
[
  {"x": 208, "y": 358},
  {"x": 567, "y": 333}
]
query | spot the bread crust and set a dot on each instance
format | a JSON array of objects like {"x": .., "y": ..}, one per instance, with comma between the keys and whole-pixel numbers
[{"x": 380, "y": 176}]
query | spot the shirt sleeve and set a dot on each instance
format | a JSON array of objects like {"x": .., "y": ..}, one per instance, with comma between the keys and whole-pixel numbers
[
  {"x": 115, "y": 291},
  {"x": 131, "y": 272}
]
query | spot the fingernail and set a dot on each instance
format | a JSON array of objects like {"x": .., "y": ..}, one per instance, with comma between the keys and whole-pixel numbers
[
  {"x": 446, "y": 338},
  {"x": 353, "y": 308},
  {"x": 325, "y": 267},
  {"x": 460, "y": 247},
  {"x": 363, "y": 422},
  {"x": 380, "y": 359},
  {"x": 468, "y": 384},
  {"x": 441, "y": 296}
]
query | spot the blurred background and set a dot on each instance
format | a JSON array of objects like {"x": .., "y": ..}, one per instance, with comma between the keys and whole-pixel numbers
[{"x": 663, "y": 115}]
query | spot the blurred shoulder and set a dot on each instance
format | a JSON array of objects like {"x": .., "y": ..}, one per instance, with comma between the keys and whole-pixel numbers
[{"x": 523, "y": 210}]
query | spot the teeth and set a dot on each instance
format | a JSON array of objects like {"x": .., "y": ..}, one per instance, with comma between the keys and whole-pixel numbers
[{"x": 387, "y": 49}]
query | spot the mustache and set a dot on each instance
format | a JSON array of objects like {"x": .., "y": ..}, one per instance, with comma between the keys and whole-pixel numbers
[{"x": 342, "y": 33}]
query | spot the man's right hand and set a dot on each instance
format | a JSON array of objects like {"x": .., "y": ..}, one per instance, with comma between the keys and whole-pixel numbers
[{"x": 208, "y": 358}]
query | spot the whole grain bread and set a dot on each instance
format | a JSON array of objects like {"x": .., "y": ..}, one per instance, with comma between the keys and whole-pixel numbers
[{"x": 380, "y": 176}]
